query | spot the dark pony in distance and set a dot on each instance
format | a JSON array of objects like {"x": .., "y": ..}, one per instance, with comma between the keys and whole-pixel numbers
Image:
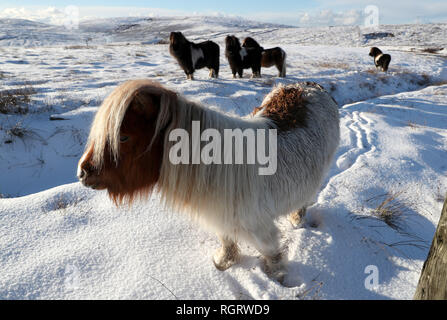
[
  {"x": 192, "y": 56},
  {"x": 241, "y": 58},
  {"x": 128, "y": 153},
  {"x": 381, "y": 60},
  {"x": 270, "y": 57}
]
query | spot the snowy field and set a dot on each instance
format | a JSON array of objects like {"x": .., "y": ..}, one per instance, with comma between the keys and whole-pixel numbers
[{"x": 379, "y": 206}]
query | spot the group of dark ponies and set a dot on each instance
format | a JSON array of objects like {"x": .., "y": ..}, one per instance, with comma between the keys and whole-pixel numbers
[{"x": 192, "y": 56}]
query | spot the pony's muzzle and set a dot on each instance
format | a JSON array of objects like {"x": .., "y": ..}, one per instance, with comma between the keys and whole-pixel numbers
[{"x": 85, "y": 170}]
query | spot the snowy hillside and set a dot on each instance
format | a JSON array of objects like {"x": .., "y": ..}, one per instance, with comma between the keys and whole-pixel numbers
[{"x": 61, "y": 240}]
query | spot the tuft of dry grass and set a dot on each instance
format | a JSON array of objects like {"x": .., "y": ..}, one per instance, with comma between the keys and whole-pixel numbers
[
  {"x": 439, "y": 83},
  {"x": 20, "y": 131},
  {"x": 389, "y": 207},
  {"x": 432, "y": 50},
  {"x": 15, "y": 101},
  {"x": 390, "y": 210},
  {"x": 313, "y": 293},
  {"x": 332, "y": 65},
  {"x": 372, "y": 71},
  {"x": 439, "y": 195},
  {"x": 371, "y": 86},
  {"x": 163, "y": 41},
  {"x": 76, "y": 47},
  {"x": 61, "y": 202},
  {"x": 412, "y": 124},
  {"x": 425, "y": 81},
  {"x": 395, "y": 211}
]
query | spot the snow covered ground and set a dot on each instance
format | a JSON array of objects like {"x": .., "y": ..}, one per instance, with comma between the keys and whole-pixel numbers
[{"x": 59, "y": 240}]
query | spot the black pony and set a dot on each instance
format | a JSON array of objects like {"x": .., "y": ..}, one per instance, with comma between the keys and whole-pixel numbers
[
  {"x": 270, "y": 57},
  {"x": 192, "y": 56},
  {"x": 241, "y": 58},
  {"x": 381, "y": 60}
]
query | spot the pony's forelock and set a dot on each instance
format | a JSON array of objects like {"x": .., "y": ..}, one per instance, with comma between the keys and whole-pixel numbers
[{"x": 105, "y": 130}]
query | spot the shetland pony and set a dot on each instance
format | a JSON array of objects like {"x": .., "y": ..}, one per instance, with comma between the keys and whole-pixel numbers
[
  {"x": 192, "y": 56},
  {"x": 270, "y": 57},
  {"x": 241, "y": 58},
  {"x": 127, "y": 153},
  {"x": 381, "y": 60}
]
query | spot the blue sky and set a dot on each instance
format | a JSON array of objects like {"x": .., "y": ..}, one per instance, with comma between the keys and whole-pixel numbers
[{"x": 301, "y": 13}]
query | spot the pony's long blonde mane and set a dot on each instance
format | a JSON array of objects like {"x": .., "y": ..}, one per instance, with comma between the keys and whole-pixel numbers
[{"x": 214, "y": 192}]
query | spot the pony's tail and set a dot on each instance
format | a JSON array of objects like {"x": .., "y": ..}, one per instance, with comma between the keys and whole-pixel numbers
[{"x": 283, "y": 70}]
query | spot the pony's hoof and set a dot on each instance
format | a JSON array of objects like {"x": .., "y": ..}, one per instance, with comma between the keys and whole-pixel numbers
[
  {"x": 223, "y": 259},
  {"x": 223, "y": 265},
  {"x": 275, "y": 268},
  {"x": 297, "y": 218}
]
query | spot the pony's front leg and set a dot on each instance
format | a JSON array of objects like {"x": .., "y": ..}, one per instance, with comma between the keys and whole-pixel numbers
[{"x": 227, "y": 255}]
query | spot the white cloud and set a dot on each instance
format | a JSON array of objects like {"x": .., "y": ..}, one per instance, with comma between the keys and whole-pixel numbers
[
  {"x": 50, "y": 15},
  {"x": 326, "y": 17},
  {"x": 59, "y": 16},
  {"x": 331, "y": 18},
  {"x": 396, "y": 11},
  {"x": 328, "y": 12}
]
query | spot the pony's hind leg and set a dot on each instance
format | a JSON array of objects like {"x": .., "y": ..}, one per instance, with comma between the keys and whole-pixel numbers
[
  {"x": 213, "y": 73},
  {"x": 227, "y": 255},
  {"x": 296, "y": 218},
  {"x": 266, "y": 241}
]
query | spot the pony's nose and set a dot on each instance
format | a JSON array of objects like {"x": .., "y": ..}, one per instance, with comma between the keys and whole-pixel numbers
[
  {"x": 82, "y": 174},
  {"x": 84, "y": 170}
]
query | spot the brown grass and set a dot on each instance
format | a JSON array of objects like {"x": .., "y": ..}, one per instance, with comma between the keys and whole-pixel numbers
[
  {"x": 15, "y": 101},
  {"x": 20, "y": 131},
  {"x": 432, "y": 50},
  {"x": 163, "y": 41},
  {"x": 439, "y": 196},
  {"x": 372, "y": 71},
  {"x": 390, "y": 207},
  {"x": 332, "y": 65},
  {"x": 313, "y": 293},
  {"x": 76, "y": 47},
  {"x": 412, "y": 125}
]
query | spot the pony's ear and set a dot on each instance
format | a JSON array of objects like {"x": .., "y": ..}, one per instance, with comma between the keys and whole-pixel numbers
[{"x": 146, "y": 104}]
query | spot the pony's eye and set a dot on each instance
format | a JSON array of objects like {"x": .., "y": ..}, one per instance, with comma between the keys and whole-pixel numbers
[{"x": 124, "y": 138}]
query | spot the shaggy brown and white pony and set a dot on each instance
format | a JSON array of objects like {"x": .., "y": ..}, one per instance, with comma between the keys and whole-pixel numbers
[
  {"x": 192, "y": 56},
  {"x": 128, "y": 149},
  {"x": 270, "y": 57},
  {"x": 381, "y": 60},
  {"x": 240, "y": 58}
]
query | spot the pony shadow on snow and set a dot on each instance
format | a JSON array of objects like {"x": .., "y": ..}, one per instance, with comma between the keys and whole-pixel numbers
[
  {"x": 356, "y": 242},
  {"x": 336, "y": 268}
]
